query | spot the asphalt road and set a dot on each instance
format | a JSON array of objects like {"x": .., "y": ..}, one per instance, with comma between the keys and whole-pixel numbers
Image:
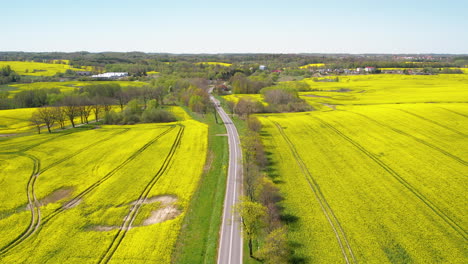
[{"x": 230, "y": 241}]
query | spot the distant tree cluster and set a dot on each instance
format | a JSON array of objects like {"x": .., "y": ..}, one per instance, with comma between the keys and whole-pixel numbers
[
  {"x": 243, "y": 85},
  {"x": 7, "y": 75}
]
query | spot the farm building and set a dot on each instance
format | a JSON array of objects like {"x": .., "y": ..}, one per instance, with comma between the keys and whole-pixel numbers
[
  {"x": 370, "y": 69},
  {"x": 262, "y": 67}
]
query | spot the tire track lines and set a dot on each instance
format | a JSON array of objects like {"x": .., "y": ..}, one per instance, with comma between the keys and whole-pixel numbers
[
  {"x": 433, "y": 122},
  {"x": 33, "y": 206},
  {"x": 455, "y": 112},
  {"x": 83, "y": 149},
  {"x": 335, "y": 224},
  {"x": 454, "y": 225},
  {"x": 37, "y": 144},
  {"x": 131, "y": 216},
  {"x": 77, "y": 198},
  {"x": 444, "y": 152}
]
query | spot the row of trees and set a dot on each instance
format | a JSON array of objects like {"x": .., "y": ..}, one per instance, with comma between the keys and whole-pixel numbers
[
  {"x": 137, "y": 104},
  {"x": 70, "y": 109},
  {"x": 259, "y": 209},
  {"x": 241, "y": 84}
]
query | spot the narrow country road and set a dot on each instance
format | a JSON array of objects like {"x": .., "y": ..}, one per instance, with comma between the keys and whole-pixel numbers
[{"x": 230, "y": 240}]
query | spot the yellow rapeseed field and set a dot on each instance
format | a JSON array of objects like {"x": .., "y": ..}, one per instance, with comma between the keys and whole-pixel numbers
[
  {"x": 39, "y": 68},
  {"x": 313, "y": 65},
  {"x": 215, "y": 63},
  {"x": 115, "y": 193},
  {"x": 69, "y": 86},
  {"x": 380, "y": 177}
]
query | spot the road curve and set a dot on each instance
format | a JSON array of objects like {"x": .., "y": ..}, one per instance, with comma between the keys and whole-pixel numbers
[{"x": 230, "y": 240}]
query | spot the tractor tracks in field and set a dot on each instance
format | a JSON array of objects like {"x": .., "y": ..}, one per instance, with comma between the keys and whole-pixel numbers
[
  {"x": 77, "y": 199},
  {"x": 131, "y": 216},
  {"x": 454, "y": 225},
  {"x": 433, "y": 122},
  {"x": 446, "y": 153},
  {"x": 35, "y": 223},
  {"x": 33, "y": 206},
  {"x": 335, "y": 224},
  {"x": 455, "y": 112},
  {"x": 33, "y": 203},
  {"x": 36, "y": 145}
]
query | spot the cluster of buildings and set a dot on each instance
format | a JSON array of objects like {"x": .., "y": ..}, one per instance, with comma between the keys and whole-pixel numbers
[
  {"x": 344, "y": 71},
  {"x": 111, "y": 75}
]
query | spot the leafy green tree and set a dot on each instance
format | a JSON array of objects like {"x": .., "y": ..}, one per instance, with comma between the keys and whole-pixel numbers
[
  {"x": 275, "y": 249},
  {"x": 253, "y": 219}
]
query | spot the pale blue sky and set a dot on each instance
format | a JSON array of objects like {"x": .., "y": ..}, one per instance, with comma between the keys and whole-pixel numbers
[{"x": 287, "y": 26}]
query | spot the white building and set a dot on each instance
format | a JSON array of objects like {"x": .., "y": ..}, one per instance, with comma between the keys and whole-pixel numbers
[
  {"x": 111, "y": 75},
  {"x": 262, "y": 67}
]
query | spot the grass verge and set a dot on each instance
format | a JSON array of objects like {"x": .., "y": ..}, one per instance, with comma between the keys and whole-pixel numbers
[{"x": 198, "y": 239}]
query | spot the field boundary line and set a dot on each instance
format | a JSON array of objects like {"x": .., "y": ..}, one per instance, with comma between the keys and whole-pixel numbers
[
  {"x": 401, "y": 180},
  {"x": 131, "y": 216},
  {"x": 444, "y": 152},
  {"x": 326, "y": 209}
]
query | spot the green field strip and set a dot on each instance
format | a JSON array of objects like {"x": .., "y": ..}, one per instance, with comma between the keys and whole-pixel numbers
[
  {"x": 455, "y": 226},
  {"x": 126, "y": 225},
  {"x": 444, "y": 152},
  {"x": 326, "y": 209}
]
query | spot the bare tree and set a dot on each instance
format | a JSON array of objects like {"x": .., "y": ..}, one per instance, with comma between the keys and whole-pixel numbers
[
  {"x": 46, "y": 115},
  {"x": 36, "y": 120},
  {"x": 70, "y": 108},
  {"x": 96, "y": 107},
  {"x": 60, "y": 116}
]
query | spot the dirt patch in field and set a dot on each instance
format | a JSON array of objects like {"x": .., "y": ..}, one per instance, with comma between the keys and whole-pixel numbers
[
  {"x": 163, "y": 214},
  {"x": 163, "y": 199},
  {"x": 221, "y": 135},
  {"x": 56, "y": 196},
  {"x": 330, "y": 106},
  {"x": 7, "y": 135},
  {"x": 167, "y": 211}
]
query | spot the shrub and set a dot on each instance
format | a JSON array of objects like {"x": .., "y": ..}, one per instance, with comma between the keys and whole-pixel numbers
[{"x": 152, "y": 115}]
